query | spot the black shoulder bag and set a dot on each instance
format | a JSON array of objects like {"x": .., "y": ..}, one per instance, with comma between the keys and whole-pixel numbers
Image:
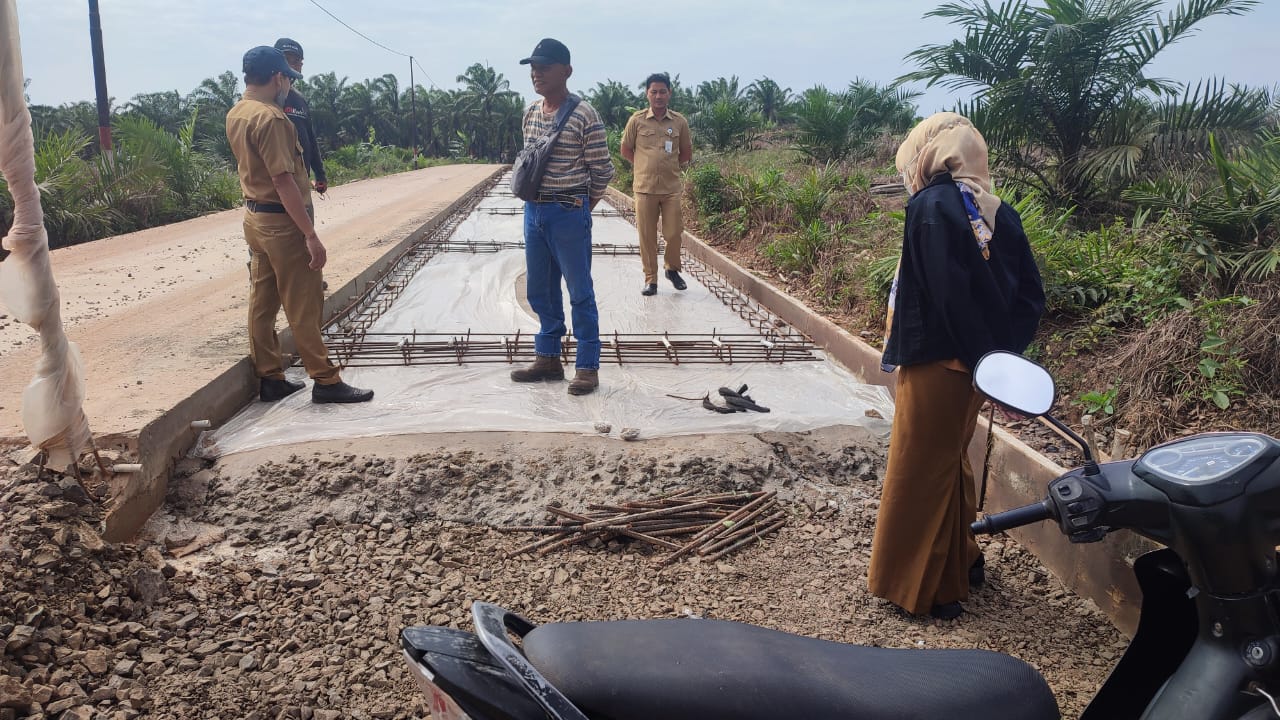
[{"x": 531, "y": 163}]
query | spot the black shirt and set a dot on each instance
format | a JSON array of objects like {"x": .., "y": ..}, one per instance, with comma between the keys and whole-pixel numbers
[
  {"x": 951, "y": 302},
  {"x": 295, "y": 106}
]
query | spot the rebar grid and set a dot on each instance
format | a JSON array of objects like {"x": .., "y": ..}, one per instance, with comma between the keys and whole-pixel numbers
[
  {"x": 493, "y": 246},
  {"x": 514, "y": 211},
  {"x": 403, "y": 349},
  {"x": 381, "y": 292},
  {"x": 352, "y": 344}
]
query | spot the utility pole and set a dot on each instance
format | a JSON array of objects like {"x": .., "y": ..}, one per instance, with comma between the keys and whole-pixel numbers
[
  {"x": 413, "y": 123},
  {"x": 100, "y": 78}
]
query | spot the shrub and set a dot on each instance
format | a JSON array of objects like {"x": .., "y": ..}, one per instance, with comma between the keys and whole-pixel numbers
[
  {"x": 1234, "y": 215},
  {"x": 810, "y": 197},
  {"x": 727, "y": 123},
  {"x": 1118, "y": 272},
  {"x": 761, "y": 193},
  {"x": 366, "y": 160},
  {"x": 710, "y": 190},
  {"x": 800, "y": 251}
]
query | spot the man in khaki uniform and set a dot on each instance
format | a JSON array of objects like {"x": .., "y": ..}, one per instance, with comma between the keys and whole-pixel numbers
[
  {"x": 287, "y": 253},
  {"x": 657, "y": 142}
]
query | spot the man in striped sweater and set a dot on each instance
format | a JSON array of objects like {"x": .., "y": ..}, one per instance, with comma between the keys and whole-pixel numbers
[{"x": 557, "y": 224}]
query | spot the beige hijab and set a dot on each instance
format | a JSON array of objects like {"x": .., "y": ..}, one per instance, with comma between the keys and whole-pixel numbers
[{"x": 947, "y": 142}]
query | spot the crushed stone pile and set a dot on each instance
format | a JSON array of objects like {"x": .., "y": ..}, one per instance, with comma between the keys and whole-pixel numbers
[{"x": 274, "y": 585}]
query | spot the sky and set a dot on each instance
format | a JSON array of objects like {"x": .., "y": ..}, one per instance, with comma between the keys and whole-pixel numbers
[{"x": 159, "y": 45}]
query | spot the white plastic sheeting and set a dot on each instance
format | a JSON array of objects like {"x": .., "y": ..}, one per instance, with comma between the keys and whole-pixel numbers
[
  {"x": 457, "y": 292},
  {"x": 52, "y": 405}
]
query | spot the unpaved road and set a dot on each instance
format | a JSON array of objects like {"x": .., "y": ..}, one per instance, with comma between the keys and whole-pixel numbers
[{"x": 161, "y": 312}]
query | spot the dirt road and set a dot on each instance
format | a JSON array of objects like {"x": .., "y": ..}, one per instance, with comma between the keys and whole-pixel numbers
[{"x": 161, "y": 312}]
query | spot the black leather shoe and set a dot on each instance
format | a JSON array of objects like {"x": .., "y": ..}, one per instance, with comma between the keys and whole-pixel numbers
[
  {"x": 650, "y": 289},
  {"x": 272, "y": 390},
  {"x": 339, "y": 392},
  {"x": 978, "y": 572},
  {"x": 947, "y": 611},
  {"x": 676, "y": 280}
]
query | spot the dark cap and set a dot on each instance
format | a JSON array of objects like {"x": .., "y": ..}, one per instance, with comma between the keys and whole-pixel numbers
[
  {"x": 267, "y": 61},
  {"x": 286, "y": 45},
  {"x": 548, "y": 52}
]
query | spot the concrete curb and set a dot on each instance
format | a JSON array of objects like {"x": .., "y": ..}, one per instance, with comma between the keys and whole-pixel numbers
[
  {"x": 167, "y": 438},
  {"x": 1101, "y": 572}
]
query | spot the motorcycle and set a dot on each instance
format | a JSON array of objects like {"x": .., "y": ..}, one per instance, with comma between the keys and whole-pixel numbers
[{"x": 1207, "y": 645}]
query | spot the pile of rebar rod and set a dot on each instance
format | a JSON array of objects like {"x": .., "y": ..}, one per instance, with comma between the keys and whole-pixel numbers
[{"x": 682, "y": 523}]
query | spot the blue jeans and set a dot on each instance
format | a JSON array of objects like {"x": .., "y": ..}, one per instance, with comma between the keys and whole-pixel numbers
[{"x": 557, "y": 243}]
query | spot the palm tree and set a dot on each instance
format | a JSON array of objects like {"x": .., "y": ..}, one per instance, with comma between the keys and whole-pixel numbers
[
  {"x": 719, "y": 89},
  {"x": 168, "y": 110},
  {"x": 79, "y": 117},
  {"x": 218, "y": 94},
  {"x": 727, "y": 123},
  {"x": 826, "y": 125},
  {"x": 359, "y": 111},
  {"x": 412, "y": 104},
  {"x": 388, "y": 118},
  {"x": 484, "y": 89},
  {"x": 1067, "y": 83},
  {"x": 324, "y": 95},
  {"x": 211, "y": 100},
  {"x": 614, "y": 102},
  {"x": 769, "y": 99},
  {"x": 886, "y": 109}
]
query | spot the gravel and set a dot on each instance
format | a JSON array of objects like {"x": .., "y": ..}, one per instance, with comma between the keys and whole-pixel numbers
[{"x": 274, "y": 584}]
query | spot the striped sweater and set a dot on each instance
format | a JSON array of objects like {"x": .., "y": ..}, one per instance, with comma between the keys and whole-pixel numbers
[{"x": 580, "y": 157}]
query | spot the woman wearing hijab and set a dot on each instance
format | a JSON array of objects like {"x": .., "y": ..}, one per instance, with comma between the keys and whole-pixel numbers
[{"x": 967, "y": 284}]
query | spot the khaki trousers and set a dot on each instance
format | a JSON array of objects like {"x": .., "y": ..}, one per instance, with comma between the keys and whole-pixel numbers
[
  {"x": 279, "y": 276},
  {"x": 649, "y": 208},
  {"x": 923, "y": 548}
]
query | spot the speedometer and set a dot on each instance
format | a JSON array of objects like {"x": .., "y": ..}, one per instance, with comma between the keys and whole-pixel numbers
[
  {"x": 1207, "y": 469},
  {"x": 1204, "y": 459}
]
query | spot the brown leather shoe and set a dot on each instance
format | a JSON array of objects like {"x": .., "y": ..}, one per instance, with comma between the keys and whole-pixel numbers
[
  {"x": 543, "y": 368},
  {"x": 584, "y": 382}
]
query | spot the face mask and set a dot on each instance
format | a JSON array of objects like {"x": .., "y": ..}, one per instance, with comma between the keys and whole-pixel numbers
[{"x": 283, "y": 94}]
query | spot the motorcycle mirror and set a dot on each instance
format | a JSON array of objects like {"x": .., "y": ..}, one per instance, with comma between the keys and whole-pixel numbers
[{"x": 1015, "y": 382}]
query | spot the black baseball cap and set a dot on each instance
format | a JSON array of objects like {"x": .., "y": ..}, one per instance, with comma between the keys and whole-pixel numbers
[
  {"x": 264, "y": 60},
  {"x": 548, "y": 51},
  {"x": 287, "y": 45}
]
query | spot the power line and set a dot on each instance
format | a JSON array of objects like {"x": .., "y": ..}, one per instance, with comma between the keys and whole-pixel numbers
[
  {"x": 424, "y": 73},
  {"x": 375, "y": 42}
]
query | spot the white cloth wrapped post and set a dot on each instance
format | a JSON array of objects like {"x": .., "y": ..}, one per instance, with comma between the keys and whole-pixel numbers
[{"x": 52, "y": 405}]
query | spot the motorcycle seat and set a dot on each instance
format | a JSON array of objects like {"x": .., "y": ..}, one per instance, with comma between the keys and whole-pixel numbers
[{"x": 710, "y": 669}]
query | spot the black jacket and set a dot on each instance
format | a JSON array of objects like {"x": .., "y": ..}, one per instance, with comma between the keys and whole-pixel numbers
[
  {"x": 295, "y": 106},
  {"x": 952, "y": 303}
]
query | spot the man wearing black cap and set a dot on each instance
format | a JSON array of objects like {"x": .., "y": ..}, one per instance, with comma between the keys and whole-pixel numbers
[
  {"x": 557, "y": 224},
  {"x": 296, "y": 107},
  {"x": 287, "y": 253}
]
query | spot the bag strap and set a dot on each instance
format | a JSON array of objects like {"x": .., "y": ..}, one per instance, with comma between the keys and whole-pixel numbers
[{"x": 562, "y": 115}]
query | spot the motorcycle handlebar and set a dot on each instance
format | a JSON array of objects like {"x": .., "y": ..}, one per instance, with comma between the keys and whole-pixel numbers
[{"x": 1025, "y": 515}]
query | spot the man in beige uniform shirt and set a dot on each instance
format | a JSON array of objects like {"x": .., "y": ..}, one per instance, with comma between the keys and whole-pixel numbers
[
  {"x": 287, "y": 253},
  {"x": 657, "y": 142}
]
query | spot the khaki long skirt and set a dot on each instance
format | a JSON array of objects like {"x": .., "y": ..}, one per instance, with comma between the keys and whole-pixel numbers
[{"x": 923, "y": 548}]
